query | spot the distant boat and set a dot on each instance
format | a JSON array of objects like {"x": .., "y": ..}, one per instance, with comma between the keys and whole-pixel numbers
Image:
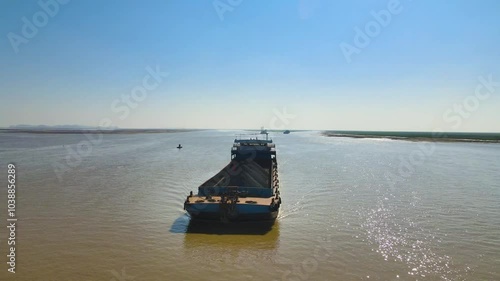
[
  {"x": 286, "y": 132},
  {"x": 179, "y": 146},
  {"x": 263, "y": 131}
]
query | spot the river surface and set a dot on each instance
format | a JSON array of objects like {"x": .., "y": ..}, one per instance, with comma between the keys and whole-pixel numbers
[{"x": 353, "y": 209}]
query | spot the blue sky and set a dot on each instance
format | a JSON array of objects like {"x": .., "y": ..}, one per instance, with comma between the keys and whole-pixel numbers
[{"x": 246, "y": 64}]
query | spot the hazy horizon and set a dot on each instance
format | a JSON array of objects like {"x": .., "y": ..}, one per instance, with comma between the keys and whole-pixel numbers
[
  {"x": 299, "y": 65},
  {"x": 85, "y": 127}
]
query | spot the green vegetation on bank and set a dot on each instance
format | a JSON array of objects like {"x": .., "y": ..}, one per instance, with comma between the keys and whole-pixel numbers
[{"x": 419, "y": 136}]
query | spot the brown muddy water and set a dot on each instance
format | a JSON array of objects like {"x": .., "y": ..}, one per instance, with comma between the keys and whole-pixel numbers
[{"x": 353, "y": 209}]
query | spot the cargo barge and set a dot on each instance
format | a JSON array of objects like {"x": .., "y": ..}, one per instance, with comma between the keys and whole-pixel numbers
[{"x": 247, "y": 189}]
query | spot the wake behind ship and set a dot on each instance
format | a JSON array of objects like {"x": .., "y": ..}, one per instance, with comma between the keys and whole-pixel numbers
[{"x": 247, "y": 189}]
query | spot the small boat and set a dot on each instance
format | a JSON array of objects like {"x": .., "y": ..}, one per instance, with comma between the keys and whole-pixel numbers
[
  {"x": 179, "y": 146},
  {"x": 247, "y": 189},
  {"x": 286, "y": 132}
]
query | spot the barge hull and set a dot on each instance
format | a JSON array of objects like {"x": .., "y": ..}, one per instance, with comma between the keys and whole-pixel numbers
[{"x": 211, "y": 216}]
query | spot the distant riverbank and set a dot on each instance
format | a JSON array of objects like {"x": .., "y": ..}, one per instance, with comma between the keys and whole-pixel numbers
[
  {"x": 419, "y": 136},
  {"x": 88, "y": 131}
]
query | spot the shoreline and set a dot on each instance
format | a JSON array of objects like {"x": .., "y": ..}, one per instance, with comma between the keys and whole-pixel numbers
[
  {"x": 96, "y": 131},
  {"x": 420, "y": 137}
]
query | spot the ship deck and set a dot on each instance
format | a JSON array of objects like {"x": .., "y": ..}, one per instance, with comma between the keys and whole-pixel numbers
[{"x": 241, "y": 200}]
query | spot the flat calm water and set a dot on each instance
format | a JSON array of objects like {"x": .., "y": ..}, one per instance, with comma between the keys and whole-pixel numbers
[{"x": 353, "y": 209}]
